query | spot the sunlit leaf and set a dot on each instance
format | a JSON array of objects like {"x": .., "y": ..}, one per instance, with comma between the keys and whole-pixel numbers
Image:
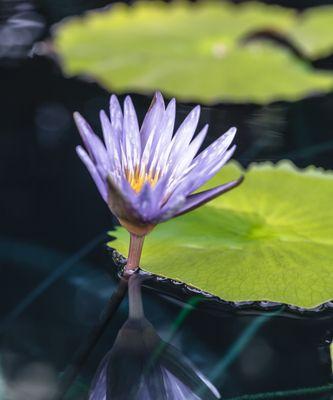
[
  {"x": 195, "y": 52},
  {"x": 270, "y": 239}
]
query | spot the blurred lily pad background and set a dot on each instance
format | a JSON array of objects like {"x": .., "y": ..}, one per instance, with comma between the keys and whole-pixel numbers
[
  {"x": 265, "y": 67},
  {"x": 207, "y": 51}
]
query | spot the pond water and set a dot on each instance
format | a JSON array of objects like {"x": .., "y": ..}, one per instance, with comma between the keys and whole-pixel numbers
[{"x": 57, "y": 274}]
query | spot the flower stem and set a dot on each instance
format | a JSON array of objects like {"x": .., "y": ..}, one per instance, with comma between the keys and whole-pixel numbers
[
  {"x": 134, "y": 254},
  {"x": 135, "y": 297}
]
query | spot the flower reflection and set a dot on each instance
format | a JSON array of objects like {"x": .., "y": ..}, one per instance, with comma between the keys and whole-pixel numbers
[{"x": 140, "y": 366}]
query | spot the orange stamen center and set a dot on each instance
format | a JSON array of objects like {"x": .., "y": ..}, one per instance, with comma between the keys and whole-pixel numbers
[{"x": 139, "y": 178}]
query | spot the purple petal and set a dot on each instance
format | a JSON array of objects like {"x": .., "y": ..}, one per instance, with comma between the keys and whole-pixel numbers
[
  {"x": 176, "y": 388},
  {"x": 198, "y": 199},
  {"x": 175, "y": 202},
  {"x": 99, "y": 383},
  {"x": 213, "y": 151},
  {"x": 198, "y": 140},
  {"x": 122, "y": 200},
  {"x": 163, "y": 146},
  {"x": 93, "y": 144},
  {"x": 189, "y": 153},
  {"x": 116, "y": 116},
  {"x": 184, "y": 135},
  {"x": 85, "y": 131},
  {"x": 190, "y": 182},
  {"x": 201, "y": 176},
  {"x": 131, "y": 138},
  {"x": 111, "y": 142},
  {"x": 101, "y": 186},
  {"x": 150, "y": 133},
  {"x": 146, "y": 155},
  {"x": 152, "y": 119},
  {"x": 181, "y": 368},
  {"x": 146, "y": 203}
]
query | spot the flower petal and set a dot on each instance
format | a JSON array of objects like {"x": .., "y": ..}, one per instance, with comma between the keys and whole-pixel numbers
[
  {"x": 213, "y": 151},
  {"x": 121, "y": 200},
  {"x": 112, "y": 145},
  {"x": 198, "y": 199},
  {"x": 125, "y": 368},
  {"x": 98, "y": 385},
  {"x": 184, "y": 135},
  {"x": 152, "y": 119},
  {"x": 93, "y": 144},
  {"x": 182, "y": 368},
  {"x": 190, "y": 182},
  {"x": 176, "y": 389},
  {"x": 147, "y": 203},
  {"x": 201, "y": 176},
  {"x": 131, "y": 138},
  {"x": 188, "y": 155},
  {"x": 116, "y": 117},
  {"x": 163, "y": 146},
  {"x": 155, "y": 385},
  {"x": 100, "y": 183}
]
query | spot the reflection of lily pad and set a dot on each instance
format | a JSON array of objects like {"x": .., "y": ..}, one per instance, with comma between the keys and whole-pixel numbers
[
  {"x": 191, "y": 51},
  {"x": 271, "y": 239}
]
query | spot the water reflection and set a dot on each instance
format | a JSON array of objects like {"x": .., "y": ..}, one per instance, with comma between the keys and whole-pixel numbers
[
  {"x": 53, "y": 122},
  {"x": 21, "y": 26},
  {"x": 32, "y": 380}
]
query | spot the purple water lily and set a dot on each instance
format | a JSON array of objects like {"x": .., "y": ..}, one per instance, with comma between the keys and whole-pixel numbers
[{"x": 148, "y": 175}]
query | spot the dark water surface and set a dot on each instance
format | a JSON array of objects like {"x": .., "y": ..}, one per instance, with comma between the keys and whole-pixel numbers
[{"x": 56, "y": 273}]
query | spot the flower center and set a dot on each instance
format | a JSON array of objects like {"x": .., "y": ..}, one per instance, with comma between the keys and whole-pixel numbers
[{"x": 139, "y": 178}]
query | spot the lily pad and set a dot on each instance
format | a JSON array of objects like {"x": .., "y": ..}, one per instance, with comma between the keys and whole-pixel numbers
[
  {"x": 313, "y": 32},
  {"x": 194, "y": 52},
  {"x": 269, "y": 240}
]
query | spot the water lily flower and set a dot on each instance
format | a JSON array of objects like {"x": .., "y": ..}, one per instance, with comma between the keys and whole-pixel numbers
[
  {"x": 147, "y": 174},
  {"x": 140, "y": 366}
]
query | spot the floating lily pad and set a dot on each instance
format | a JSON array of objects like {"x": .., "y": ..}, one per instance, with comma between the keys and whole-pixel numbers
[
  {"x": 194, "y": 52},
  {"x": 271, "y": 239},
  {"x": 313, "y": 32}
]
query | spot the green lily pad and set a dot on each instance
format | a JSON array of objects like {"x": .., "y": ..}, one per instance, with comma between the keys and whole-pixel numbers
[
  {"x": 270, "y": 239},
  {"x": 194, "y": 52},
  {"x": 313, "y": 32}
]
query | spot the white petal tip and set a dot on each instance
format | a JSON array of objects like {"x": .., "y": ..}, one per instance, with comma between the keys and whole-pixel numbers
[
  {"x": 77, "y": 116},
  {"x": 79, "y": 150},
  {"x": 114, "y": 99},
  {"x": 158, "y": 95},
  {"x": 232, "y": 150},
  {"x": 102, "y": 114},
  {"x": 128, "y": 99},
  {"x": 80, "y": 122}
]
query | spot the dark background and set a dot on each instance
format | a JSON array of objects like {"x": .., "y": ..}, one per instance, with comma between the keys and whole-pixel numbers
[{"x": 50, "y": 210}]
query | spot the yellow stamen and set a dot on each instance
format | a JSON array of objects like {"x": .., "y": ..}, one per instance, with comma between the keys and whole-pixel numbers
[{"x": 139, "y": 178}]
